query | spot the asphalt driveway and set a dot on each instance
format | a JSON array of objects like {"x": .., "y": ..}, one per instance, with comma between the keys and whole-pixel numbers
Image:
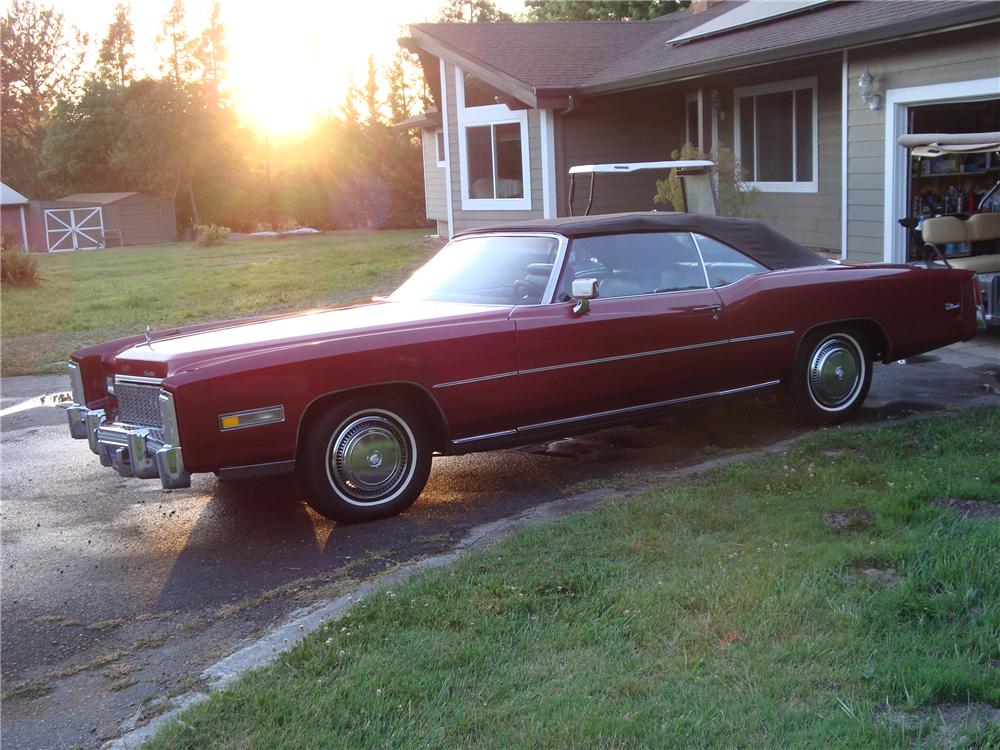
[{"x": 116, "y": 592}]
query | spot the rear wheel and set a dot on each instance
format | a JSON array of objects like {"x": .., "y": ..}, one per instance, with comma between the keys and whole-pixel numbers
[
  {"x": 361, "y": 461},
  {"x": 832, "y": 375}
]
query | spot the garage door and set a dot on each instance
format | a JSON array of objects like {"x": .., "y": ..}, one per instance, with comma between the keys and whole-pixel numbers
[{"x": 74, "y": 228}]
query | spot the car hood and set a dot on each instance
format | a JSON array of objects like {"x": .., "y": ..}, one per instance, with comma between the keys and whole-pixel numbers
[{"x": 179, "y": 351}]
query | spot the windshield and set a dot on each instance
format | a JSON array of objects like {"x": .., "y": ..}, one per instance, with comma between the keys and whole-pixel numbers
[{"x": 485, "y": 270}]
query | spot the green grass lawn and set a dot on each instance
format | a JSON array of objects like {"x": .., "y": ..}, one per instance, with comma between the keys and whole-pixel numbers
[
  {"x": 719, "y": 613},
  {"x": 89, "y": 297}
]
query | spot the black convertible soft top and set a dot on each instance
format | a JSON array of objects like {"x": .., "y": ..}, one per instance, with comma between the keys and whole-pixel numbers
[{"x": 753, "y": 237}]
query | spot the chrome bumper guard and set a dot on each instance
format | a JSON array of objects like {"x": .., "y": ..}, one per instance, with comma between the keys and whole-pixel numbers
[{"x": 132, "y": 450}]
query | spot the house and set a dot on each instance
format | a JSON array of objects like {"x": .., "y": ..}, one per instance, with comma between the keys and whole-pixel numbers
[
  {"x": 87, "y": 221},
  {"x": 777, "y": 83}
]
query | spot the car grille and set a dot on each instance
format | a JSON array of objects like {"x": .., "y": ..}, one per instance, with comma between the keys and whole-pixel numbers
[{"x": 138, "y": 404}]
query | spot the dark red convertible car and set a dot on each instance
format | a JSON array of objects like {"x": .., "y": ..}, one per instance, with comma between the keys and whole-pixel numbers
[{"x": 507, "y": 336}]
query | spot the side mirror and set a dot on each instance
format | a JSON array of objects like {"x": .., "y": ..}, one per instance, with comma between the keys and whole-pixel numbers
[{"x": 584, "y": 290}]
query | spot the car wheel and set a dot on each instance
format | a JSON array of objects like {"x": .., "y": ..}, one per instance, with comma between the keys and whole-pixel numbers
[
  {"x": 832, "y": 375},
  {"x": 361, "y": 461}
]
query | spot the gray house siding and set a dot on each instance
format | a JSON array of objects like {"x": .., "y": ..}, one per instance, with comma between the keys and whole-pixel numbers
[
  {"x": 644, "y": 125},
  {"x": 812, "y": 219},
  {"x": 468, "y": 219},
  {"x": 434, "y": 185},
  {"x": 968, "y": 54}
]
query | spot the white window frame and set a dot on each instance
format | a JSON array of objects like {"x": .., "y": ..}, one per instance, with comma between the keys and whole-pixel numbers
[
  {"x": 439, "y": 153},
  {"x": 776, "y": 88},
  {"x": 492, "y": 114},
  {"x": 694, "y": 96}
]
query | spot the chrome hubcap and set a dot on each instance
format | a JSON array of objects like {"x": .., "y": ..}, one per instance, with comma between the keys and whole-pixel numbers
[
  {"x": 835, "y": 372},
  {"x": 369, "y": 458}
]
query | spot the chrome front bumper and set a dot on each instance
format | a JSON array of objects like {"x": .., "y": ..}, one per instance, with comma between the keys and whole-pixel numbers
[{"x": 132, "y": 451}]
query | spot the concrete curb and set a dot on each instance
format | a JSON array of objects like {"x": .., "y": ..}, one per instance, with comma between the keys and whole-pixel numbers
[{"x": 302, "y": 622}]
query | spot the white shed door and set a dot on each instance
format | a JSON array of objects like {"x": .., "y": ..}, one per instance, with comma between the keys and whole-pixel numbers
[{"x": 74, "y": 228}]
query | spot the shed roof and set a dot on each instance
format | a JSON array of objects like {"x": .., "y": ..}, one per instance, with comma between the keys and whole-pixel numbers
[
  {"x": 589, "y": 56},
  {"x": 102, "y": 198},
  {"x": 10, "y": 197}
]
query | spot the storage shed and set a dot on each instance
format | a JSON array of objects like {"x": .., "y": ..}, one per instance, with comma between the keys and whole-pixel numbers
[
  {"x": 88, "y": 221},
  {"x": 131, "y": 218}
]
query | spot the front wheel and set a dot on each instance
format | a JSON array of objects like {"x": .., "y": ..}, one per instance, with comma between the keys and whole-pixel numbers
[
  {"x": 363, "y": 461},
  {"x": 831, "y": 375}
]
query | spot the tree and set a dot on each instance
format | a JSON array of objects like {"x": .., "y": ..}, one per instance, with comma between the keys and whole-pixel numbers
[
  {"x": 404, "y": 78},
  {"x": 39, "y": 59},
  {"x": 372, "y": 108},
  {"x": 82, "y": 137},
  {"x": 117, "y": 48},
  {"x": 601, "y": 10},
  {"x": 211, "y": 54},
  {"x": 473, "y": 11},
  {"x": 178, "y": 60}
]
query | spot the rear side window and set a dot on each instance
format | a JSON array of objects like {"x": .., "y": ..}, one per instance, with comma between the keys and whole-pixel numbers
[{"x": 724, "y": 264}]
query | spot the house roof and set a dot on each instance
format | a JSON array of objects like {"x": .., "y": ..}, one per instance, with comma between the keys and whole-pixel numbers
[
  {"x": 10, "y": 197},
  {"x": 102, "y": 198},
  {"x": 429, "y": 119},
  {"x": 755, "y": 238},
  {"x": 590, "y": 57}
]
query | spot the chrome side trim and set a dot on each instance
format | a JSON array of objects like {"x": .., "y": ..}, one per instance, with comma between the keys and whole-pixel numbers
[
  {"x": 487, "y": 436},
  {"x": 644, "y": 407},
  {"x": 762, "y": 336},
  {"x": 620, "y": 357},
  {"x": 480, "y": 379},
  {"x": 617, "y": 358},
  {"x": 137, "y": 380}
]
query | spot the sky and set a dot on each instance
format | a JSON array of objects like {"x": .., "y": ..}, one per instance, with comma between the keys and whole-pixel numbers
[{"x": 288, "y": 59}]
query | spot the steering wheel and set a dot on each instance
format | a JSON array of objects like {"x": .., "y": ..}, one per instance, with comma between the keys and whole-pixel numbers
[{"x": 524, "y": 288}]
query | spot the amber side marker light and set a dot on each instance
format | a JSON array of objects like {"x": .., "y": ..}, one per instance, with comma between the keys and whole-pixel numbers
[{"x": 251, "y": 418}]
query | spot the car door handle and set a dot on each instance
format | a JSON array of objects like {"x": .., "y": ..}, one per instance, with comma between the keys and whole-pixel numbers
[{"x": 714, "y": 309}]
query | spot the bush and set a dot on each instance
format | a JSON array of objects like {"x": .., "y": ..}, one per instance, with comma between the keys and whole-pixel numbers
[
  {"x": 209, "y": 235},
  {"x": 734, "y": 196},
  {"x": 18, "y": 267}
]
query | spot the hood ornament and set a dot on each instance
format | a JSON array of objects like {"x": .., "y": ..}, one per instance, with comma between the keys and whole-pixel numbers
[{"x": 148, "y": 340}]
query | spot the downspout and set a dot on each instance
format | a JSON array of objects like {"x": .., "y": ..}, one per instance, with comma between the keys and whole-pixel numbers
[
  {"x": 571, "y": 187},
  {"x": 843, "y": 155}
]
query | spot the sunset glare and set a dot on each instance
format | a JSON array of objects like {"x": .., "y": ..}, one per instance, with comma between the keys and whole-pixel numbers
[{"x": 288, "y": 63}]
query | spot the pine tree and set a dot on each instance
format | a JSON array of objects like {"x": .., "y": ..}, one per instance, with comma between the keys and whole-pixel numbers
[{"x": 118, "y": 48}]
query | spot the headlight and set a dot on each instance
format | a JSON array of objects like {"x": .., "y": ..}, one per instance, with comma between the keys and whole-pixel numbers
[
  {"x": 168, "y": 413},
  {"x": 76, "y": 383},
  {"x": 109, "y": 384}
]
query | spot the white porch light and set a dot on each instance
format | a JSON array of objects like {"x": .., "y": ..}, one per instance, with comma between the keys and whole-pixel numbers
[{"x": 871, "y": 100}]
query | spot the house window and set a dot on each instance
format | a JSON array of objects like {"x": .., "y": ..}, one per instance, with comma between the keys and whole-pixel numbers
[
  {"x": 493, "y": 148},
  {"x": 775, "y": 132},
  {"x": 692, "y": 118},
  {"x": 439, "y": 146}
]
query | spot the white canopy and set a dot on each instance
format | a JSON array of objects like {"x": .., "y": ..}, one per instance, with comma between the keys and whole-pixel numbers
[
  {"x": 936, "y": 144},
  {"x": 639, "y": 166}
]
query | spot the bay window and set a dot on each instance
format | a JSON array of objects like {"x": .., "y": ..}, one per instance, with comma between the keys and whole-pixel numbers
[{"x": 775, "y": 133}]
